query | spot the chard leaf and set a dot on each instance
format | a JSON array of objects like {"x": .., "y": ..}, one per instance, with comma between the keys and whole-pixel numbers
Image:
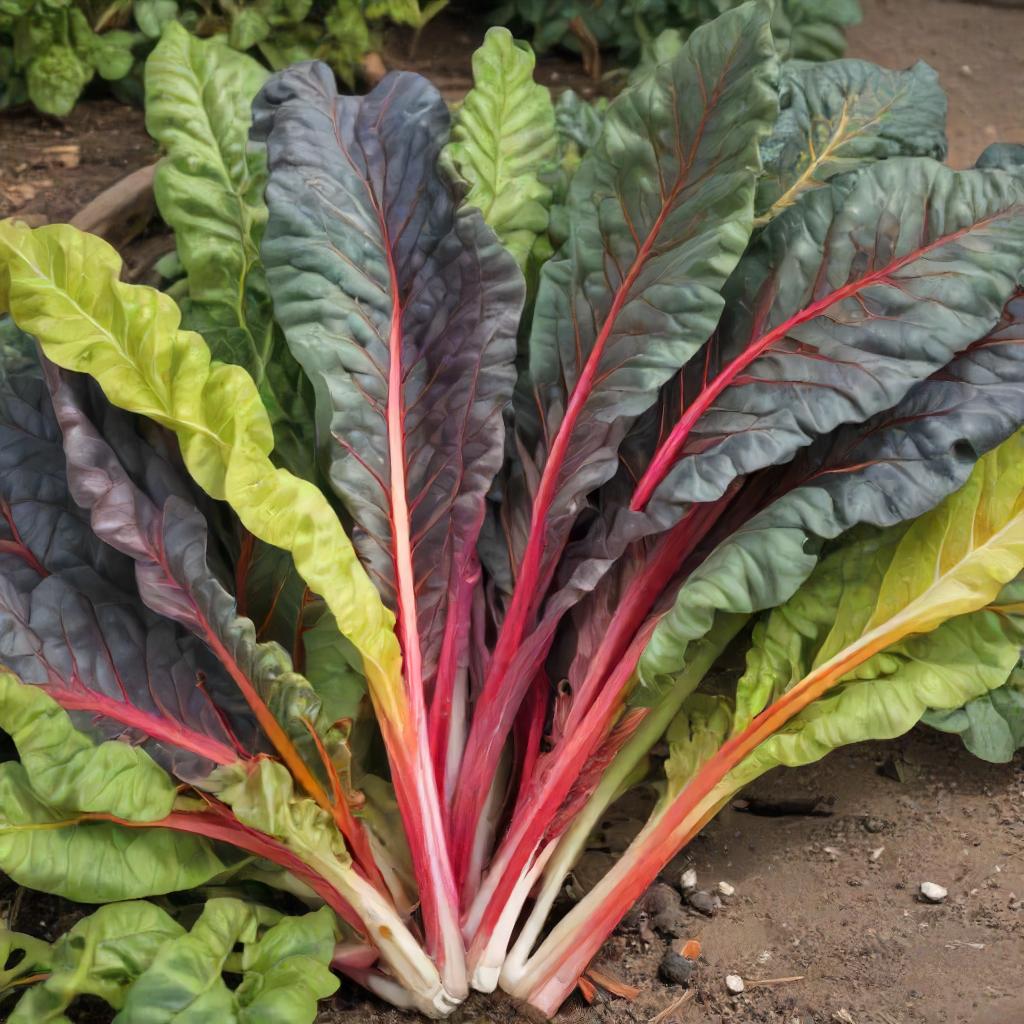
[
  {"x": 70, "y": 616},
  {"x": 904, "y": 581},
  {"x": 660, "y": 210},
  {"x": 695, "y": 734},
  {"x": 992, "y": 725},
  {"x": 898, "y": 619},
  {"x": 166, "y": 537},
  {"x": 74, "y": 773},
  {"x": 287, "y": 972},
  {"x": 841, "y": 115},
  {"x": 101, "y": 955},
  {"x": 62, "y": 286},
  {"x": 184, "y": 982},
  {"x": 503, "y": 139},
  {"x": 35, "y": 957},
  {"x": 1003, "y": 156},
  {"x": 209, "y": 189},
  {"x": 284, "y": 972},
  {"x": 403, "y": 312},
  {"x": 43, "y": 843},
  {"x": 845, "y": 301},
  {"x": 55, "y": 79},
  {"x": 892, "y": 468}
]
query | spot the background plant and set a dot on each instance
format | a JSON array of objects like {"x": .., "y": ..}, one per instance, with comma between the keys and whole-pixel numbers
[{"x": 51, "y": 49}]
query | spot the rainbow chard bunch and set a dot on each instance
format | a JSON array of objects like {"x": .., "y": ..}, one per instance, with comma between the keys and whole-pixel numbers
[{"x": 360, "y": 570}]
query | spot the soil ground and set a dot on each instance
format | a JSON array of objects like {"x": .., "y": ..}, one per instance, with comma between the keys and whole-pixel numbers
[{"x": 810, "y": 902}]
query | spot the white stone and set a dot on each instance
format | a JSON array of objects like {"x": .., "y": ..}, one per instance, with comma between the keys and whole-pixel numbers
[
  {"x": 877, "y": 852},
  {"x": 688, "y": 881},
  {"x": 734, "y": 983},
  {"x": 932, "y": 892},
  {"x": 726, "y": 889}
]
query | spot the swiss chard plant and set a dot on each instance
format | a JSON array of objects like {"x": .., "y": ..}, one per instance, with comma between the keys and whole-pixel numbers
[{"x": 360, "y": 573}]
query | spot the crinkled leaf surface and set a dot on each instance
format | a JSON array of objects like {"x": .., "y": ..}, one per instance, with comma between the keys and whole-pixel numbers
[
  {"x": 992, "y": 725},
  {"x": 92, "y": 861},
  {"x": 841, "y": 115},
  {"x": 845, "y": 301},
  {"x": 101, "y": 955},
  {"x": 659, "y": 212},
  {"x": 209, "y": 189},
  {"x": 403, "y": 312},
  {"x": 696, "y": 732},
  {"x": 284, "y": 970},
  {"x": 503, "y": 139},
  {"x": 70, "y": 615},
  {"x": 892, "y": 468}
]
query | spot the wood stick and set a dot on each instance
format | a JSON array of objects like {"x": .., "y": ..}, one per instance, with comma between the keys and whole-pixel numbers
[
  {"x": 679, "y": 1004},
  {"x": 121, "y": 212}
]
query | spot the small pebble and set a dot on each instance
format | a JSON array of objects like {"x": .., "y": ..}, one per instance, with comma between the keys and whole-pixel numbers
[
  {"x": 675, "y": 969},
  {"x": 876, "y": 853},
  {"x": 688, "y": 880},
  {"x": 932, "y": 893},
  {"x": 725, "y": 889},
  {"x": 832, "y": 853},
  {"x": 873, "y": 825},
  {"x": 734, "y": 983}
]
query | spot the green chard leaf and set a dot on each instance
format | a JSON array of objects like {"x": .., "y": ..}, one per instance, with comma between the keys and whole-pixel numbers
[
  {"x": 992, "y": 725},
  {"x": 841, "y": 115},
  {"x": 210, "y": 191},
  {"x": 102, "y": 955},
  {"x": 284, "y": 971},
  {"x": 63, "y": 775},
  {"x": 503, "y": 139}
]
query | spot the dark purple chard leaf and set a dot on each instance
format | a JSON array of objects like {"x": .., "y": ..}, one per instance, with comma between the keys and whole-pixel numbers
[
  {"x": 152, "y": 521},
  {"x": 660, "y": 210},
  {"x": 846, "y": 300},
  {"x": 403, "y": 313},
  {"x": 890, "y": 469},
  {"x": 71, "y": 620}
]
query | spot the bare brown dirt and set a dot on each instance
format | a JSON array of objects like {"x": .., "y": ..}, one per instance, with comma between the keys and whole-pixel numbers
[
  {"x": 810, "y": 902},
  {"x": 978, "y": 51}
]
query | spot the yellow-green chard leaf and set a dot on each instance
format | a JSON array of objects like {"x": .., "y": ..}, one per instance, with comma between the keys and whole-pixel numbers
[
  {"x": 906, "y": 609},
  {"x": 503, "y": 139},
  {"x": 62, "y": 286},
  {"x": 22, "y": 956},
  {"x": 209, "y": 189}
]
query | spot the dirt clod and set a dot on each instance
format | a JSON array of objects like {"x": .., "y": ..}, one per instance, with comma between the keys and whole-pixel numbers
[{"x": 675, "y": 969}]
